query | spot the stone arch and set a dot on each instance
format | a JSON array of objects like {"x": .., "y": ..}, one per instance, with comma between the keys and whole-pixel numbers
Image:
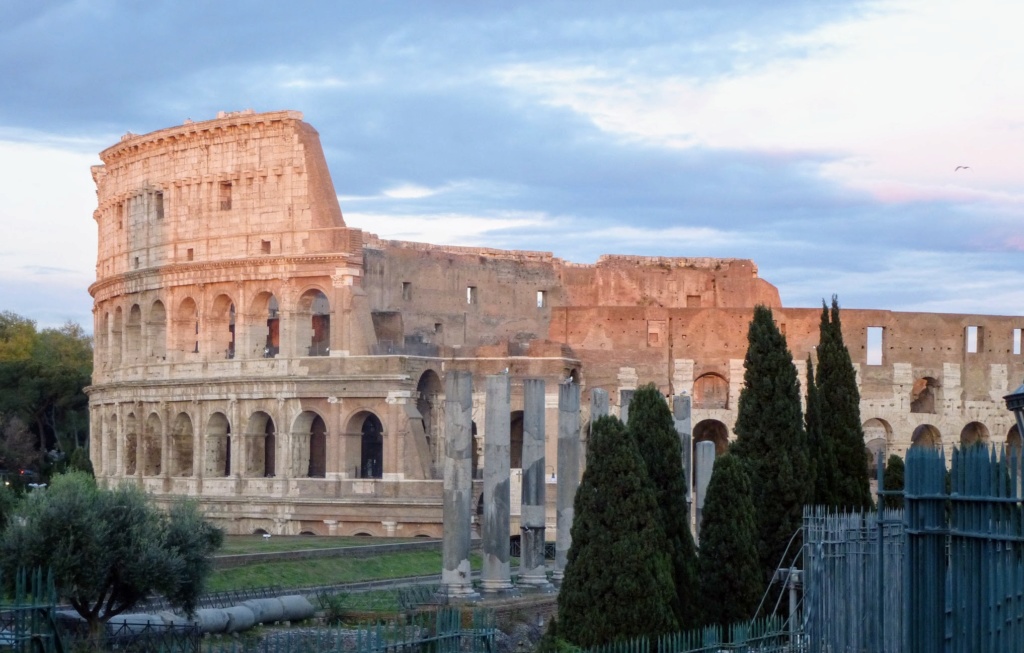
[
  {"x": 974, "y": 433},
  {"x": 710, "y": 391},
  {"x": 263, "y": 326},
  {"x": 261, "y": 446},
  {"x": 133, "y": 335},
  {"x": 572, "y": 374},
  {"x": 220, "y": 327},
  {"x": 1013, "y": 440},
  {"x": 152, "y": 451},
  {"x": 309, "y": 442},
  {"x": 186, "y": 327},
  {"x": 371, "y": 444},
  {"x": 131, "y": 444},
  {"x": 926, "y": 435},
  {"x": 116, "y": 341},
  {"x": 182, "y": 445},
  {"x": 313, "y": 323},
  {"x": 429, "y": 401},
  {"x": 156, "y": 331},
  {"x": 516, "y": 439},
  {"x": 924, "y": 396},
  {"x": 711, "y": 430},
  {"x": 877, "y": 436},
  {"x": 218, "y": 445}
]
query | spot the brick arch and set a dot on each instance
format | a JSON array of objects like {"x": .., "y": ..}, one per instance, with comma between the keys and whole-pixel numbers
[
  {"x": 926, "y": 435},
  {"x": 218, "y": 445},
  {"x": 219, "y": 327},
  {"x": 182, "y": 445},
  {"x": 260, "y": 446},
  {"x": 974, "y": 433},
  {"x": 710, "y": 391},
  {"x": 309, "y": 442},
  {"x": 152, "y": 460},
  {"x": 156, "y": 331},
  {"x": 313, "y": 323},
  {"x": 186, "y": 327}
]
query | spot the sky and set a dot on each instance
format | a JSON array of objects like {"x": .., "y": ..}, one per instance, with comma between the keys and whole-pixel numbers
[{"x": 820, "y": 139}]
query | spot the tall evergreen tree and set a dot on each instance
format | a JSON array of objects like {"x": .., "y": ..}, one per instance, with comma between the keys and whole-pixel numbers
[
  {"x": 840, "y": 414},
  {"x": 730, "y": 576},
  {"x": 820, "y": 453},
  {"x": 772, "y": 442},
  {"x": 652, "y": 426},
  {"x": 894, "y": 470},
  {"x": 618, "y": 576}
]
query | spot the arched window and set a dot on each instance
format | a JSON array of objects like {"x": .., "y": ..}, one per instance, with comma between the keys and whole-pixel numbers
[
  {"x": 182, "y": 443},
  {"x": 261, "y": 446},
  {"x": 116, "y": 342},
  {"x": 710, "y": 391},
  {"x": 313, "y": 323},
  {"x": 218, "y": 445},
  {"x": 926, "y": 435},
  {"x": 974, "y": 433},
  {"x": 221, "y": 327},
  {"x": 318, "y": 448},
  {"x": 309, "y": 444},
  {"x": 186, "y": 327},
  {"x": 156, "y": 332},
  {"x": 428, "y": 403},
  {"x": 152, "y": 453},
  {"x": 371, "y": 455},
  {"x": 133, "y": 335},
  {"x": 131, "y": 444},
  {"x": 711, "y": 430}
]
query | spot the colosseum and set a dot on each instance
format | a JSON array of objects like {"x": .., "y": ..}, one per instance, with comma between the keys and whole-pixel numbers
[{"x": 254, "y": 351}]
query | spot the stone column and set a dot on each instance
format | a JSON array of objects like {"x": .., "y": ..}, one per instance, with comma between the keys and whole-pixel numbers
[
  {"x": 598, "y": 404},
  {"x": 497, "y": 572},
  {"x": 705, "y": 465},
  {"x": 532, "y": 572},
  {"x": 568, "y": 471},
  {"x": 681, "y": 414},
  {"x": 458, "y": 486},
  {"x": 625, "y": 399}
]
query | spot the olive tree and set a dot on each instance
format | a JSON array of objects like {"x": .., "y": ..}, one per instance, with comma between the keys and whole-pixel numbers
[{"x": 109, "y": 548}]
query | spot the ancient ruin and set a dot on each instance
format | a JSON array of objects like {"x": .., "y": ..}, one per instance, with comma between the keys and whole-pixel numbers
[{"x": 288, "y": 370}]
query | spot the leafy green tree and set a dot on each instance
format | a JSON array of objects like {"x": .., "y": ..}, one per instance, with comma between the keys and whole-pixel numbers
[
  {"x": 108, "y": 549},
  {"x": 618, "y": 576},
  {"x": 772, "y": 442},
  {"x": 894, "y": 470},
  {"x": 819, "y": 451},
  {"x": 42, "y": 380},
  {"x": 840, "y": 415},
  {"x": 652, "y": 426},
  {"x": 730, "y": 576}
]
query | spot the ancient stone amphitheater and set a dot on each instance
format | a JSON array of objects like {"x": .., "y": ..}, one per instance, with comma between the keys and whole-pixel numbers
[{"x": 255, "y": 352}]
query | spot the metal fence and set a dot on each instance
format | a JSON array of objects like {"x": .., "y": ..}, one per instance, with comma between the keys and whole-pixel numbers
[
  {"x": 850, "y": 592},
  {"x": 946, "y": 575},
  {"x": 761, "y": 635}
]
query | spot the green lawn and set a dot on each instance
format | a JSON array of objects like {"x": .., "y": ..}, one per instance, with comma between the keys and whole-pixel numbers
[
  {"x": 328, "y": 571},
  {"x": 234, "y": 544}
]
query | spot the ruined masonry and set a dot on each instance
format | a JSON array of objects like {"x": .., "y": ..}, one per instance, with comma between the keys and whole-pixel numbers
[{"x": 290, "y": 371}]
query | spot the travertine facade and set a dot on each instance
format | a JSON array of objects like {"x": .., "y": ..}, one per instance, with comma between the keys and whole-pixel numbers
[{"x": 255, "y": 352}]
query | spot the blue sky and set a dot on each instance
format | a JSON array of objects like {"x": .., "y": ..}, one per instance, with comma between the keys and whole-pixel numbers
[{"x": 819, "y": 139}]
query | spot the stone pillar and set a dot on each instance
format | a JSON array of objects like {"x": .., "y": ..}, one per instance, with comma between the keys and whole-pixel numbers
[
  {"x": 497, "y": 571},
  {"x": 456, "y": 580},
  {"x": 625, "y": 399},
  {"x": 532, "y": 572},
  {"x": 598, "y": 404},
  {"x": 568, "y": 471},
  {"x": 681, "y": 414},
  {"x": 705, "y": 465}
]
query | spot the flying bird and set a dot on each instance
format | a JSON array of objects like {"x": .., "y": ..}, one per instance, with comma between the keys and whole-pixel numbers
[{"x": 959, "y": 168}]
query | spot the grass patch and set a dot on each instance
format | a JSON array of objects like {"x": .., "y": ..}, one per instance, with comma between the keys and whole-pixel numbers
[
  {"x": 330, "y": 571},
  {"x": 236, "y": 544}
]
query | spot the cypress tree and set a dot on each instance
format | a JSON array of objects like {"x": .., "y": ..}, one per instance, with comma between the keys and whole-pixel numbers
[
  {"x": 819, "y": 452},
  {"x": 772, "y": 442},
  {"x": 618, "y": 576},
  {"x": 840, "y": 414},
  {"x": 652, "y": 426},
  {"x": 730, "y": 576},
  {"x": 894, "y": 470}
]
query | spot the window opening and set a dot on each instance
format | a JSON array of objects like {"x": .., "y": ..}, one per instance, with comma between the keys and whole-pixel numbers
[
  {"x": 158, "y": 205},
  {"x": 225, "y": 196},
  {"x": 973, "y": 339},
  {"x": 874, "y": 345},
  {"x": 406, "y": 290},
  {"x": 471, "y": 294},
  {"x": 272, "y": 346},
  {"x": 265, "y": 246},
  {"x": 542, "y": 299},
  {"x": 1016, "y": 342},
  {"x": 189, "y": 254}
]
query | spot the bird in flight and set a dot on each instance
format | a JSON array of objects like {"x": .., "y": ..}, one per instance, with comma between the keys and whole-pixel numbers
[{"x": 959, "y": 168}]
